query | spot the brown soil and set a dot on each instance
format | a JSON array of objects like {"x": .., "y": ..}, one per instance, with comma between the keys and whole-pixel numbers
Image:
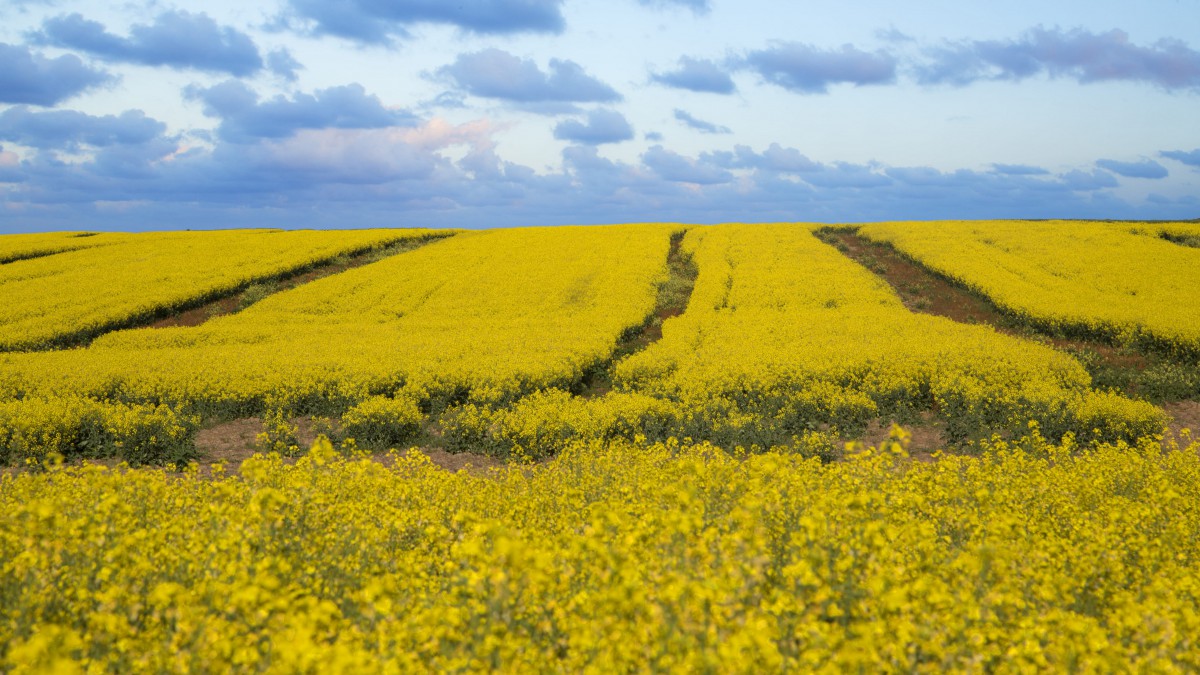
[
  {"x": 234, "y": 442},
  {"x": 924, "y": 438},
  {"x": 1184, "y": 415}
]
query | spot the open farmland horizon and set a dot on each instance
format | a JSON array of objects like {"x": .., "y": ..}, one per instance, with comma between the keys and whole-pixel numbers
[
  {"x": 543, "y": 112},
  {"x": 745, "y": 335},
  {"x": 687, "y": 336},
  {"x": 649, "y": 446}
]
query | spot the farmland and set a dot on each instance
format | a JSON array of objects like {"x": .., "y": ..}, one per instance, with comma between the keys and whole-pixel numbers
[{"x": 697, "y": 468}]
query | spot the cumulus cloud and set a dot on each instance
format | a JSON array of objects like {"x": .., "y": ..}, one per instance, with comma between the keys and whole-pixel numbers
[
  {"x": 775, "y": 158},
  {"x": 1144, "y": 169},
  {"x": 177, "y": 39},
  {"x": 283, "y": 64},
  {"x": 847, "y": 175},
  {"x": 494, "y": 73},
  {"x": 679, "y": 169},
  {"x": 1082, "y": 181},
  {"x": 244, "y": 118},
  {"x": 700, "y": 125},
  {"x": 379, "y": 23},
  {"x": 602, "y": 126},
  {"x": 1191, "y": 158},
  {"x": 69, "y": 129},
  {"x": 697, "y": 75},
  {"x": 28, "y": 77},
  {"x": 400, "y": 175},
  {"x": 806, "y": 69},
  {"x": 1077, "y": 54}
]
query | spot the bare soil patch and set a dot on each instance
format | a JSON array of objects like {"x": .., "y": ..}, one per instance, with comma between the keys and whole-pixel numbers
[
  {"x": 1184, "y": 415},
  {"x": 234, "y": 442}
]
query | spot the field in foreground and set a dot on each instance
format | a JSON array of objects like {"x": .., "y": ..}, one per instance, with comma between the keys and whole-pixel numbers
[
  {"x": 667, "y": 410},
  {"x": 612, "y": 558}
]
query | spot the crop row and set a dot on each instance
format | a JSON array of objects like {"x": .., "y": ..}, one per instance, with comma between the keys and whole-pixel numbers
[
  {"x": 1102, "y": 280},
  {"x": 82, "y": 293}
]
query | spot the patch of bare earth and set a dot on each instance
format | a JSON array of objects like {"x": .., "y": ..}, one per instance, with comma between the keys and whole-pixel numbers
[
  {"x": 924, "y": 438},
  {"x": 1184, "y": 415},
  {"x": 233, "y": 442}
]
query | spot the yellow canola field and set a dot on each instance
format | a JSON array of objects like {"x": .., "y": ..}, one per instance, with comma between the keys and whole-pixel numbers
[
  {"x": 784, "y": 334},
  {"x": 1184, "y": 233},
  {"x": 79, "y": 294},
  {"x": 491, "y": 314},
  {"x": 612, "y": 559},
  {"x": 1101, "y": 279},
  {"x": 21, "y": 246}
]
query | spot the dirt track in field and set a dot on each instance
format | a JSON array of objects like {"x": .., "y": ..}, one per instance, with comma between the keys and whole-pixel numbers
[
  {"x": 239, "y": 299},
  {"x": 925, "y": 292}
]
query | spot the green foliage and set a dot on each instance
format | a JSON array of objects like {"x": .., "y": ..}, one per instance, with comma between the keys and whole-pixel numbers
[
  {"x": 34, "y": 429},
  {"x": 380, "y": 422}
]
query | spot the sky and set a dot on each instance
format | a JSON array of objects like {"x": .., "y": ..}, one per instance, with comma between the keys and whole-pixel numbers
[{"x": 493, "y": 113}]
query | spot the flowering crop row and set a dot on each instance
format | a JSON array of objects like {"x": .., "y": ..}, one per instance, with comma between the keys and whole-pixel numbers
[
  {"x": 784, "y": 342},
  {"x": 783, "y": 334},
  {"x": 612, "y": 558},
  {"x": 1099, "y": 279},
  {"x": 33, "y": 430},
  {"x": 491, "y": 315},
  {"x": 82, "y": 293},
  {"x": 22, "y": 246}
]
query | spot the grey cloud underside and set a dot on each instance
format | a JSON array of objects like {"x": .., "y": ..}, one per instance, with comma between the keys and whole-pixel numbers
[
  {"x": 805, "y": 69},
  {"x": 1190, "y": 158},
  {"x": 602, "y": 126},
  {"x": 1083, "y": 56},
  {"x": 494, "y": 73},
  {"x": 700, "y": 125},
  {"x": 1077, "y": 54},
  {"x": 369, "y": 172},
  {"x": 70, "y": 129},
  {"x": 29, "y": 77},
  {"x": 283, "y": 64},
  {"x": 379, "y": 23},
  {"x": 177, "y": 39},
  {"x": 1144, "y": 169},
  {"x": 700, "y": 75},
  {"x": 244, "y": 118}
]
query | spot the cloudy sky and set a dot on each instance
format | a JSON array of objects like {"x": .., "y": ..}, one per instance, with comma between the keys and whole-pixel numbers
[{"x": 480, "y": 113}]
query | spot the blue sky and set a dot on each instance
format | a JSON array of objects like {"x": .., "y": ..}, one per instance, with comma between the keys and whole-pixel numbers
[{"x": 480, "y": 113}]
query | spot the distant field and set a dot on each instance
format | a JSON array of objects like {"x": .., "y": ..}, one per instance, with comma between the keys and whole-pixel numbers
[
  {"x": 86, "y": 289},
  {"x": 521, "y": 341},
  {"x": 690, "y": 429}
]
